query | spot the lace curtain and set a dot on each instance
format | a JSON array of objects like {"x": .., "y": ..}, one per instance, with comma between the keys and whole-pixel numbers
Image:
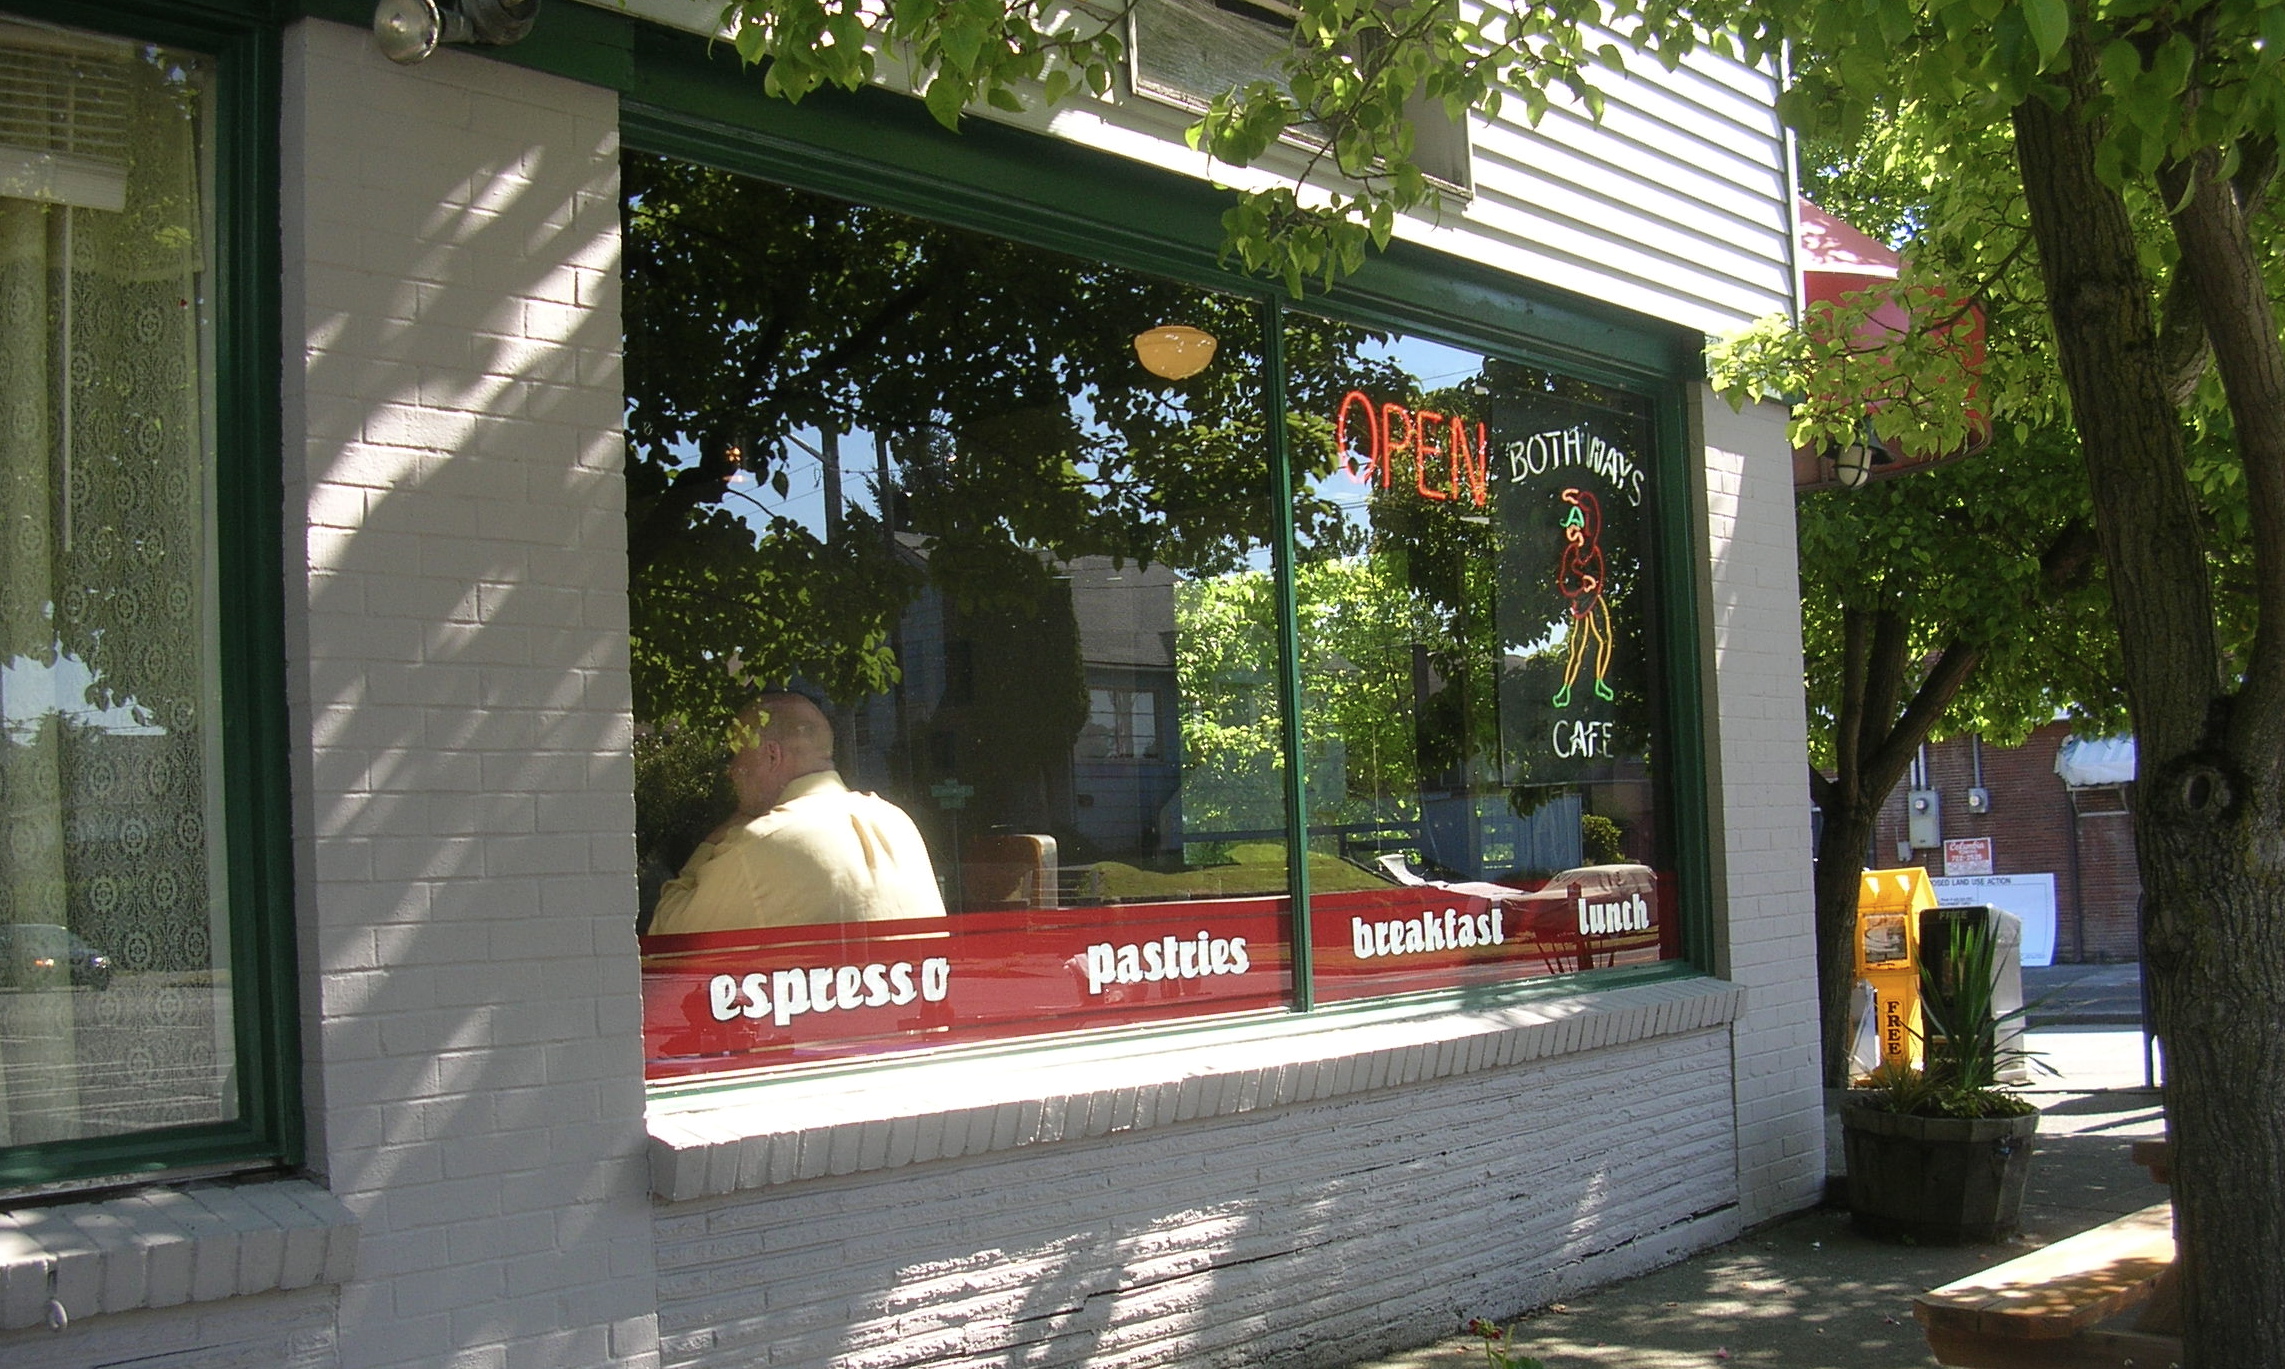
[{"x": 113, "y": 983}]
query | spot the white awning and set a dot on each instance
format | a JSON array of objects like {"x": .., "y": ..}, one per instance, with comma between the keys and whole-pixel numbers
[{"x": 2107, "y": 760}]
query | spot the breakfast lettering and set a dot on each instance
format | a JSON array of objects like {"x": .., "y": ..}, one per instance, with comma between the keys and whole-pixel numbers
[
  {"x": 784, "y": 995},
  {"x": 1452, "y": 930}
]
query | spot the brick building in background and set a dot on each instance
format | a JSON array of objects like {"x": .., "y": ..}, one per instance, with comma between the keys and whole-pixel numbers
[{"x": 2077, "y": 828}]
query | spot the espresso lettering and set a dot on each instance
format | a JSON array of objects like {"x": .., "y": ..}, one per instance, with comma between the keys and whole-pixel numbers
[{"x": 789, "y": 991}]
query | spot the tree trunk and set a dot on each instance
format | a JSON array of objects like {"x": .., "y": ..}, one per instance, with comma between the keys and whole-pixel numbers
[
  {"x": 1840, "y": 871},
  {"x": 2208, "y": 822}
]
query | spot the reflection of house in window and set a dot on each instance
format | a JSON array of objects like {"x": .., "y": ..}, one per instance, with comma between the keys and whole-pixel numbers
[
  {"x": 1122, "y": 725},
  {"x": 1126, "y": 771}
]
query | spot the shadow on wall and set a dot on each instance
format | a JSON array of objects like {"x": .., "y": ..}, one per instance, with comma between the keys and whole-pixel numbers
[
  {"x": 464, "y": 850},
  {"x": 1320, "y": 1233}
]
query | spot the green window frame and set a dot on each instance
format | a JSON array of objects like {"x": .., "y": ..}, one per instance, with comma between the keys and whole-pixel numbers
[
  {"x": 686, "y": 99},
  {"x": 254, "y": 790}
]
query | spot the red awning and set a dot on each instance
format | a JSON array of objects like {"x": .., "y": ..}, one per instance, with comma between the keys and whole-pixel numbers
[{"x": 1837, "y": 261}]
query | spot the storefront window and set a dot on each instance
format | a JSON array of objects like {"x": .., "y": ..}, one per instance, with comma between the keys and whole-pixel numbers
[
  {"x": 957, "y": 600},
  {"x": 115, "y": 989},
  {"x": 914, "y": 494},
  {"x": 1478, "y": 669}
]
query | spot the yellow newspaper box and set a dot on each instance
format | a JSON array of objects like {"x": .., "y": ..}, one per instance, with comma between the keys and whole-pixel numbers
[{"x": 1889, "y": 904}]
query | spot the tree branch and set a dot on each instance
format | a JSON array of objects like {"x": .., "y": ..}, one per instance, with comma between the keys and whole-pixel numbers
[
  {"x": 2219, "y": 259},
  {"x": 1823, "y": 792},
  {"x": 1937, "y": 689},
  {"x": 1884, "y": 688},
  {"x": 2145, "y": 512},
  {"x": 1848, "y": 725}
]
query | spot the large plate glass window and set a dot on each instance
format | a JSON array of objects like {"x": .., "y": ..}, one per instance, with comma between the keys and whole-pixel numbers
[
  {"x": 954, "y": 634},
  {"x": 116, "y": 993},
  {"x": 1476, "y": 586}
]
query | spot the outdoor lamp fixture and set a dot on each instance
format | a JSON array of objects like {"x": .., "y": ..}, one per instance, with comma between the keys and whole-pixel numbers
[
  {"x": 1852, "y": 465},
  {"x": 1175, "y": 351},
  {"x": 409, "y": 30}
]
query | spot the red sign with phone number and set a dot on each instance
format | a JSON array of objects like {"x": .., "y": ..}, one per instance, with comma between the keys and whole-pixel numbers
[{"x": 719, "y": 1001}]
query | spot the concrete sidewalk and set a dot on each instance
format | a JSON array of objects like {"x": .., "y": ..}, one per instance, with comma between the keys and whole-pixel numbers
[{"x": 1810, "y": 1293}]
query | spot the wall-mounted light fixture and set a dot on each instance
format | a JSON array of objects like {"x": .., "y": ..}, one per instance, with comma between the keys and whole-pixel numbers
[
  {"x": 409, "y": 30},
  {"x": 1175, "y": 351},
  {"x": 1853, "y": 464}
]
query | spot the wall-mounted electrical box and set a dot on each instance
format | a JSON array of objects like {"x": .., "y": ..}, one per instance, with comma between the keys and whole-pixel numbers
[
  {"x": 1979, "y": 800},
  {"x": 1923, "y": 820}
]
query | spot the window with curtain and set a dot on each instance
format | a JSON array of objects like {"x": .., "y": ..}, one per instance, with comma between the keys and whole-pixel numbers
[{"x": 115, "y": 994}]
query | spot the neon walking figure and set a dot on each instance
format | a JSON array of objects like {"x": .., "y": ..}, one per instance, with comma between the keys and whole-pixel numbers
[{"x": 1580, "y": 576}]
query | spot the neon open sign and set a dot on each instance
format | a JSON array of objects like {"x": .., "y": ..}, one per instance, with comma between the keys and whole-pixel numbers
[{"x": 1391, "y": 435}]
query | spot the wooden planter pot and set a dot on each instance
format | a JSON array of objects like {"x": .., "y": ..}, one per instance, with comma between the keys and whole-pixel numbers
[{"x": 1938, "y": 1180}]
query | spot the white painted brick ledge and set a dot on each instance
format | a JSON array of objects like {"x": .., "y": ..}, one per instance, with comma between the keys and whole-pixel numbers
[
  {"x": 164, "y": 1246},
  {"x": 775, "y": 1132}
]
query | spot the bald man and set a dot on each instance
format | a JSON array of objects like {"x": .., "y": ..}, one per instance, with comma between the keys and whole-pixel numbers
[{"x": 802, "y": 847}]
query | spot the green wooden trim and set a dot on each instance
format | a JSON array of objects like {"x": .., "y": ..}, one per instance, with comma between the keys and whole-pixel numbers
[
  {"x": 249, "y": 529},
  {"x": 691, "y": 98},
  {"x": 250, "y": 515},
  {"x": 697, "y": 103},
  {"x": 1303, "y": 948},
  {"x": 1686, "y": 797}
]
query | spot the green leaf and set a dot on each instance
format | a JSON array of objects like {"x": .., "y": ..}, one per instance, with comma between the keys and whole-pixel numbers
[
  {"x": 2050, "y": 24},
  {"x": 945, "y": 100}
]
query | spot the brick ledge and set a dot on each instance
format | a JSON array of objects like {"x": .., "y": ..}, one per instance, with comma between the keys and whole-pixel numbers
[
  {"x": 710, "y": 1145},
  {"x": 165, "y": 1246}
]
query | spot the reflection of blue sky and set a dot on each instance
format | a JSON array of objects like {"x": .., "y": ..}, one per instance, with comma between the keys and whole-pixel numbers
[
  {"x": 754, "y": 500},
  {"x": 30, "y": 690}
]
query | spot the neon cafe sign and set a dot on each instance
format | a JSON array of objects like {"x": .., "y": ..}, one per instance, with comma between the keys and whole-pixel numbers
[{"x": 1433, "y": 443}]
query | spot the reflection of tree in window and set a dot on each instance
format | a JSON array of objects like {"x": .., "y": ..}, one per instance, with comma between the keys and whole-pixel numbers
[{"x": 867, "y": 453}]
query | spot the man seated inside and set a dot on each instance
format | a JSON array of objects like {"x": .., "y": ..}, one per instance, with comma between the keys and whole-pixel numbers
[{"x": 802, "y": 847}]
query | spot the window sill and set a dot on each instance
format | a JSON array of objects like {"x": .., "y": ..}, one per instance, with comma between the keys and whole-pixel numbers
[
  {"x": 737, "y": 1139},
  {"x": 164, "y": 1246}
]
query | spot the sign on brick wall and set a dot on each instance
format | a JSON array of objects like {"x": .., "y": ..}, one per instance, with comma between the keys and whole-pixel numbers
[{"x": 1967, "y": 856}]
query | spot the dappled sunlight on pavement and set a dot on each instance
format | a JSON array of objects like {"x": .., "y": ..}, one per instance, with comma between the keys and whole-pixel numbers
[{"x": 1810, "y": 1293}]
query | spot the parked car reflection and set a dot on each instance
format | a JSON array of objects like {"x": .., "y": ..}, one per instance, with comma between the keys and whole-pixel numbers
[{"x": 42, "y": 955}]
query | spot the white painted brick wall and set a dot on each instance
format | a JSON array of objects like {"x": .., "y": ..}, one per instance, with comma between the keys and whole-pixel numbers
[
  {"x": 273, "y": 1331},
  {"x": 1309, "y": 1235},
  {"x": 457, "y": 624},
  {"x": 1767, "y": 943}
]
